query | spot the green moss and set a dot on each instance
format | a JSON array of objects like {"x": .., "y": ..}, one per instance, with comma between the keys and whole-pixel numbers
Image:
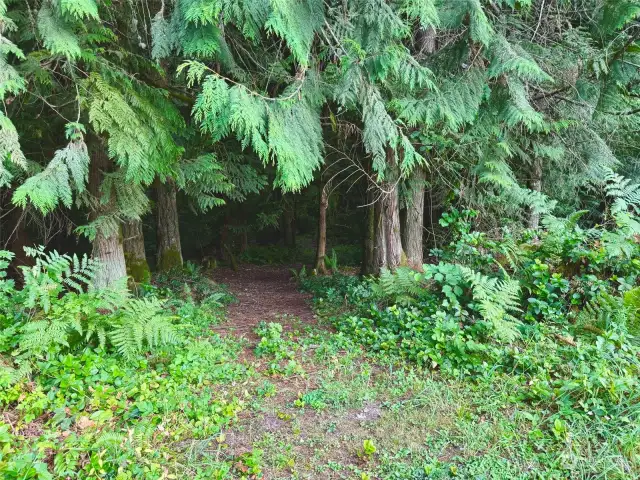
[
  {"x": 138, "y": 269},
  {"x": 403, "y": 259},
  {"x": 169, "y": 259}
]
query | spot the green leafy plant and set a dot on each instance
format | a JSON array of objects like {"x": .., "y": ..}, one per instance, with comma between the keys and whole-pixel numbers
[
  {"x": 58, "y": 308},
  {"x": 331, "y": 262},
  {"x": 368, "y": 449}
]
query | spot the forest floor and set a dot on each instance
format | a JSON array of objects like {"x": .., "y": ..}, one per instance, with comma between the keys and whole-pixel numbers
[
  {"x": 321, "y": 408},
  {"x": 263, "y": 293}
]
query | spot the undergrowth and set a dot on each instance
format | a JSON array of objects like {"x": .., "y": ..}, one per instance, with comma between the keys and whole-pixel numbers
[
  {"x": 553, "y": 313},
  {"x": 101, "y": 384}
]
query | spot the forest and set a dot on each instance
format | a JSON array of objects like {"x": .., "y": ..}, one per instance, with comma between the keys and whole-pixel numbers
[{"x": 319, "y": 239}]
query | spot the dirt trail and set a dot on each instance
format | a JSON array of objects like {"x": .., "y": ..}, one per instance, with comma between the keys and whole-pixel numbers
[{"x": 263, "y": 293}]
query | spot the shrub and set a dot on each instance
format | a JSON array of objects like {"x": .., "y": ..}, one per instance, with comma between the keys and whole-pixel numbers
[
  {"x": 559, "y": 307},
  {"x": 58, "y": 309}
]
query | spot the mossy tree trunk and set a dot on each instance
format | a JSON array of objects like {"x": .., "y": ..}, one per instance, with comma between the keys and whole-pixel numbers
[
  {"x": 168, "y": 228},
  {"x": 321, "y": 248},
  {"x": 414, "y": 220},
  {"x": 134, "y": 251},
  {"x": 107, "y": 244}
]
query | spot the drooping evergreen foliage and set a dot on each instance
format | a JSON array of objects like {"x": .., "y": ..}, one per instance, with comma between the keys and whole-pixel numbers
[
  {"x": 477, "y": 160},
  {"x": 490, "y": 89}
]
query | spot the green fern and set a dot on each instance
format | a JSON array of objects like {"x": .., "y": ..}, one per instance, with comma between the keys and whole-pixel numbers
[
  {"x": 625, "y": 194},
  {"x": 606, "y": 312},
  {"x": 63, "y": 308},
  {"x": 53, "y": 274},
  {"x": 142, "y": 323},
  {"x": 404, "y": 286},
  {"x": 497, "y": 300},
  {"x": 631, "y": 302}
]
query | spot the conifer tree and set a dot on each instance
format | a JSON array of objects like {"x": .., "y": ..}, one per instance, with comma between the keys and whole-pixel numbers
[{"x": 502, "y": 93}]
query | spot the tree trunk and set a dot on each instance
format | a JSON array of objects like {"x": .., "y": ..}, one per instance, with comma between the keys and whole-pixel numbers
[
  {"x": 107, "y": 247},
  {"x": 244, "y": 239},
  {"x": 413, "y": 226},
  {"x": 224, "y": 237},
  {"x": 321, "y": 248},
  {"x": 391, "y": 225},
  {"x": 289, "y": 225},
  {"x": 426, "y": 40},
  {"x": 379, "y": 239},
  {"x": 388, "y": 243},
  {"x": 368, "y": 258},
  {"x": 134, "y": 251},
  {"x": 169, "y": 249},
  {"x": 535, "y": 184},
  {"x": 107, "y": 244}
]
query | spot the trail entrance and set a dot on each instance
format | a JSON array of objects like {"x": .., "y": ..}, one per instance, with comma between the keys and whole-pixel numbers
[{"x": 264, "y": 293}]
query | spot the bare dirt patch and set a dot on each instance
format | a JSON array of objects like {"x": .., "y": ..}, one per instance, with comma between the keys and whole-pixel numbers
[{"x": 264, "y": 293}]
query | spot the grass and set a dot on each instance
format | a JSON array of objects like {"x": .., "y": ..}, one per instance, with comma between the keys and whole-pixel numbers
[
  {"x": 305, "y": 403},
  {"x": 422, "y": 425}
]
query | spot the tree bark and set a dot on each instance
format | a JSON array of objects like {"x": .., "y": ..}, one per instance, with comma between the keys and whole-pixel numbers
[
  {"x": 244, "y": 240},
  {"x": 107, "y": 244},
  {"x": 134, "y": 251},
  {"x": 107, "y": 247},
  {"x": 391, "y": 224},
  {"x": 379, "y": 239},
  {"x": 368, "y": 258},
  {"x": 426, "y": 40},
  {"x": 289, "y": 220},
  {"x": 414, "y": 220},
  {"x": 388, "y": 243},
  {"x": 321, "y": 248},
  {"x": 168, "y": 228},
  {"x": 535, "y": 184}
]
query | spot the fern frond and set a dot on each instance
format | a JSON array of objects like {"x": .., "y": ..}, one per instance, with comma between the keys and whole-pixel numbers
[
  {"x": 403, "y": 286},
  {"x": 497, "y": 300},
  {"x": 142, "y": 322}
]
